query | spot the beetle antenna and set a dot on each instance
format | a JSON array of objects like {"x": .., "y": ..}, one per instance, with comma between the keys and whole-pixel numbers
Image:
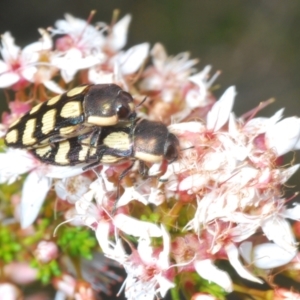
[
  {"x": 141, "y": 102},
  {"x": 187, "y": 148}
]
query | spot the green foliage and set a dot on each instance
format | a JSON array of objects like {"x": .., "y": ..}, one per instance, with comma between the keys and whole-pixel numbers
[
  {"x": 42, "y": 226},
  {"x": 46, "y": 271},
  {"x": 76, "y": 242},
  {"x": 211, "y": 288},
  {"x": 153, "y": 218},
  {"x": 191, "y": 283},
  {"x": 9, "y": 246}
]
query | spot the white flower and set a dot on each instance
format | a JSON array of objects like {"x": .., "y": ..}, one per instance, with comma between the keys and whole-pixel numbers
[
  {"x": 136, "y": 227},
  {"x": 120, "y": 65},
  {"x": 72, "y": 61},
  {"x": 34, "y": 192},
  {"x": 130, "y": 194},
  {"x": 233, "y": 256},
  {"x": 132, "y": 59},
  {"x": 278, "y": 230},
  {"x": 16, "y": 162},
  {"x": 72, "y": 188},
  {"x": 19, "y": 66},
  {"x": 206, "y": 269},
  {"x": 219, "y": 114},
  {"x": 96, "y": 214},
  {"x": 147, "y": 272},
  {"x": 85, "y": 46},
  {"x": 117, "y": 38},
  {"x": 199, "y": 95},
  {"x": 79, "y": 49},
  {"x": 284, "y": 136},
  {"x": 78, "y": 34},
  {"x": 168, "y": 75},
  {"x": 265, "y": 255}
]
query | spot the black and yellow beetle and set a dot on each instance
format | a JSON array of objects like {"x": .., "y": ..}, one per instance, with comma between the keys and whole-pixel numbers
[
  {"x": 148, "y": 142},
  {"x": 81, "y": 110}
]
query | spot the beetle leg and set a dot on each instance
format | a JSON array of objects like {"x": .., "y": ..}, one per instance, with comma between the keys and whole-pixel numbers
[
  {"x": 123, "y": 174},
  {"x": 143, "y": 169},
  {"x": 96, "y": 158}
]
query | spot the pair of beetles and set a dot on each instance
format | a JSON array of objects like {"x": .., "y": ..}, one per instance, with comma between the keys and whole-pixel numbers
[{"x": 91, "y": 125}]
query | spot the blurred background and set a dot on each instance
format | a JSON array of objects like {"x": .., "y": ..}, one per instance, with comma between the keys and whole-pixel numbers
[{"x": 256, "y": 44}]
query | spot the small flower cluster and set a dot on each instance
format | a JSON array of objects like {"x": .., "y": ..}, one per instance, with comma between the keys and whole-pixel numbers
[{"x": 222, "y": 200}]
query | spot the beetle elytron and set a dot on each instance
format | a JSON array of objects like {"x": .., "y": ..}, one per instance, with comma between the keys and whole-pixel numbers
[
  {"x": 84, "y": 109},
  {"x": 148, "y": 141}
]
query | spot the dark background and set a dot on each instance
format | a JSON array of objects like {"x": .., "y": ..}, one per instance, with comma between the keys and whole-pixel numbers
[{"x": 256, "y": 44}]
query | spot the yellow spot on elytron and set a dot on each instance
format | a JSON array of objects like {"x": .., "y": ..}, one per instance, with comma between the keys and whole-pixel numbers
[
  {"x": 76, "y": 91},
  {"x": 28, "y": 138},
  {"x": 61, "y": 155},
  {"x": 14, "y": 123},
  {"x": 12, "y": 136},
  {"x": 117, "y": 140},
  {"x": 93, "y": 151},
  {"x": 66, "y": 130},
  {"x": 35, "y": 109},
  {"x": 43, "y": 150},
  {"x": 110, "y": 159},
  {"x": 53, "y": 100},
  {"x": 48, "y": 121},
  {"x": 71, "y": 109},
  {"x": 83, "y": 152}
]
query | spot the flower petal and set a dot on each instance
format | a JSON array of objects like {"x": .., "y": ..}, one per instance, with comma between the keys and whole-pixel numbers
[
  {"x": 8, "y": 79},
  {"x": 292, "y": 213},
  {"x": 53, "y": 86},
  {"x": 4, "y": 67},
  {"x": 135, "y": 227},
  {"x": 9, "y": 51},
  {"x": 34, "y": 192},
  {"x": 164, "y": 285},
  {"x": 265, "y": 256},
  {"x": 284, "y": 136},
  {"x": 102, "y": 235},
  {"x": 119, "y": 33},
  {"x": 219, "y": 114},
  {"x": 233, "y": 255},
  {"x": 131, "y": 194},
  {"x": 279, "y": 231},
  {"x": 165, "y": 253},
  {"x": 44, "y": 44},
  {"x": 14, "y": 163},
  {"x": 206, "y": 269},
  {"x": 131, "y": 60},
  {"x": 62, "y": 171}
]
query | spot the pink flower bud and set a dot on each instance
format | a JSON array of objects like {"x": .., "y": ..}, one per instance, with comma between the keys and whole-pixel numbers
[{"x": 46, "y": 251}]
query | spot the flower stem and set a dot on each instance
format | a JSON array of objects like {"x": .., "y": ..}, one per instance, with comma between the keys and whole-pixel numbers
[{"x": 255, "y": 294}]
